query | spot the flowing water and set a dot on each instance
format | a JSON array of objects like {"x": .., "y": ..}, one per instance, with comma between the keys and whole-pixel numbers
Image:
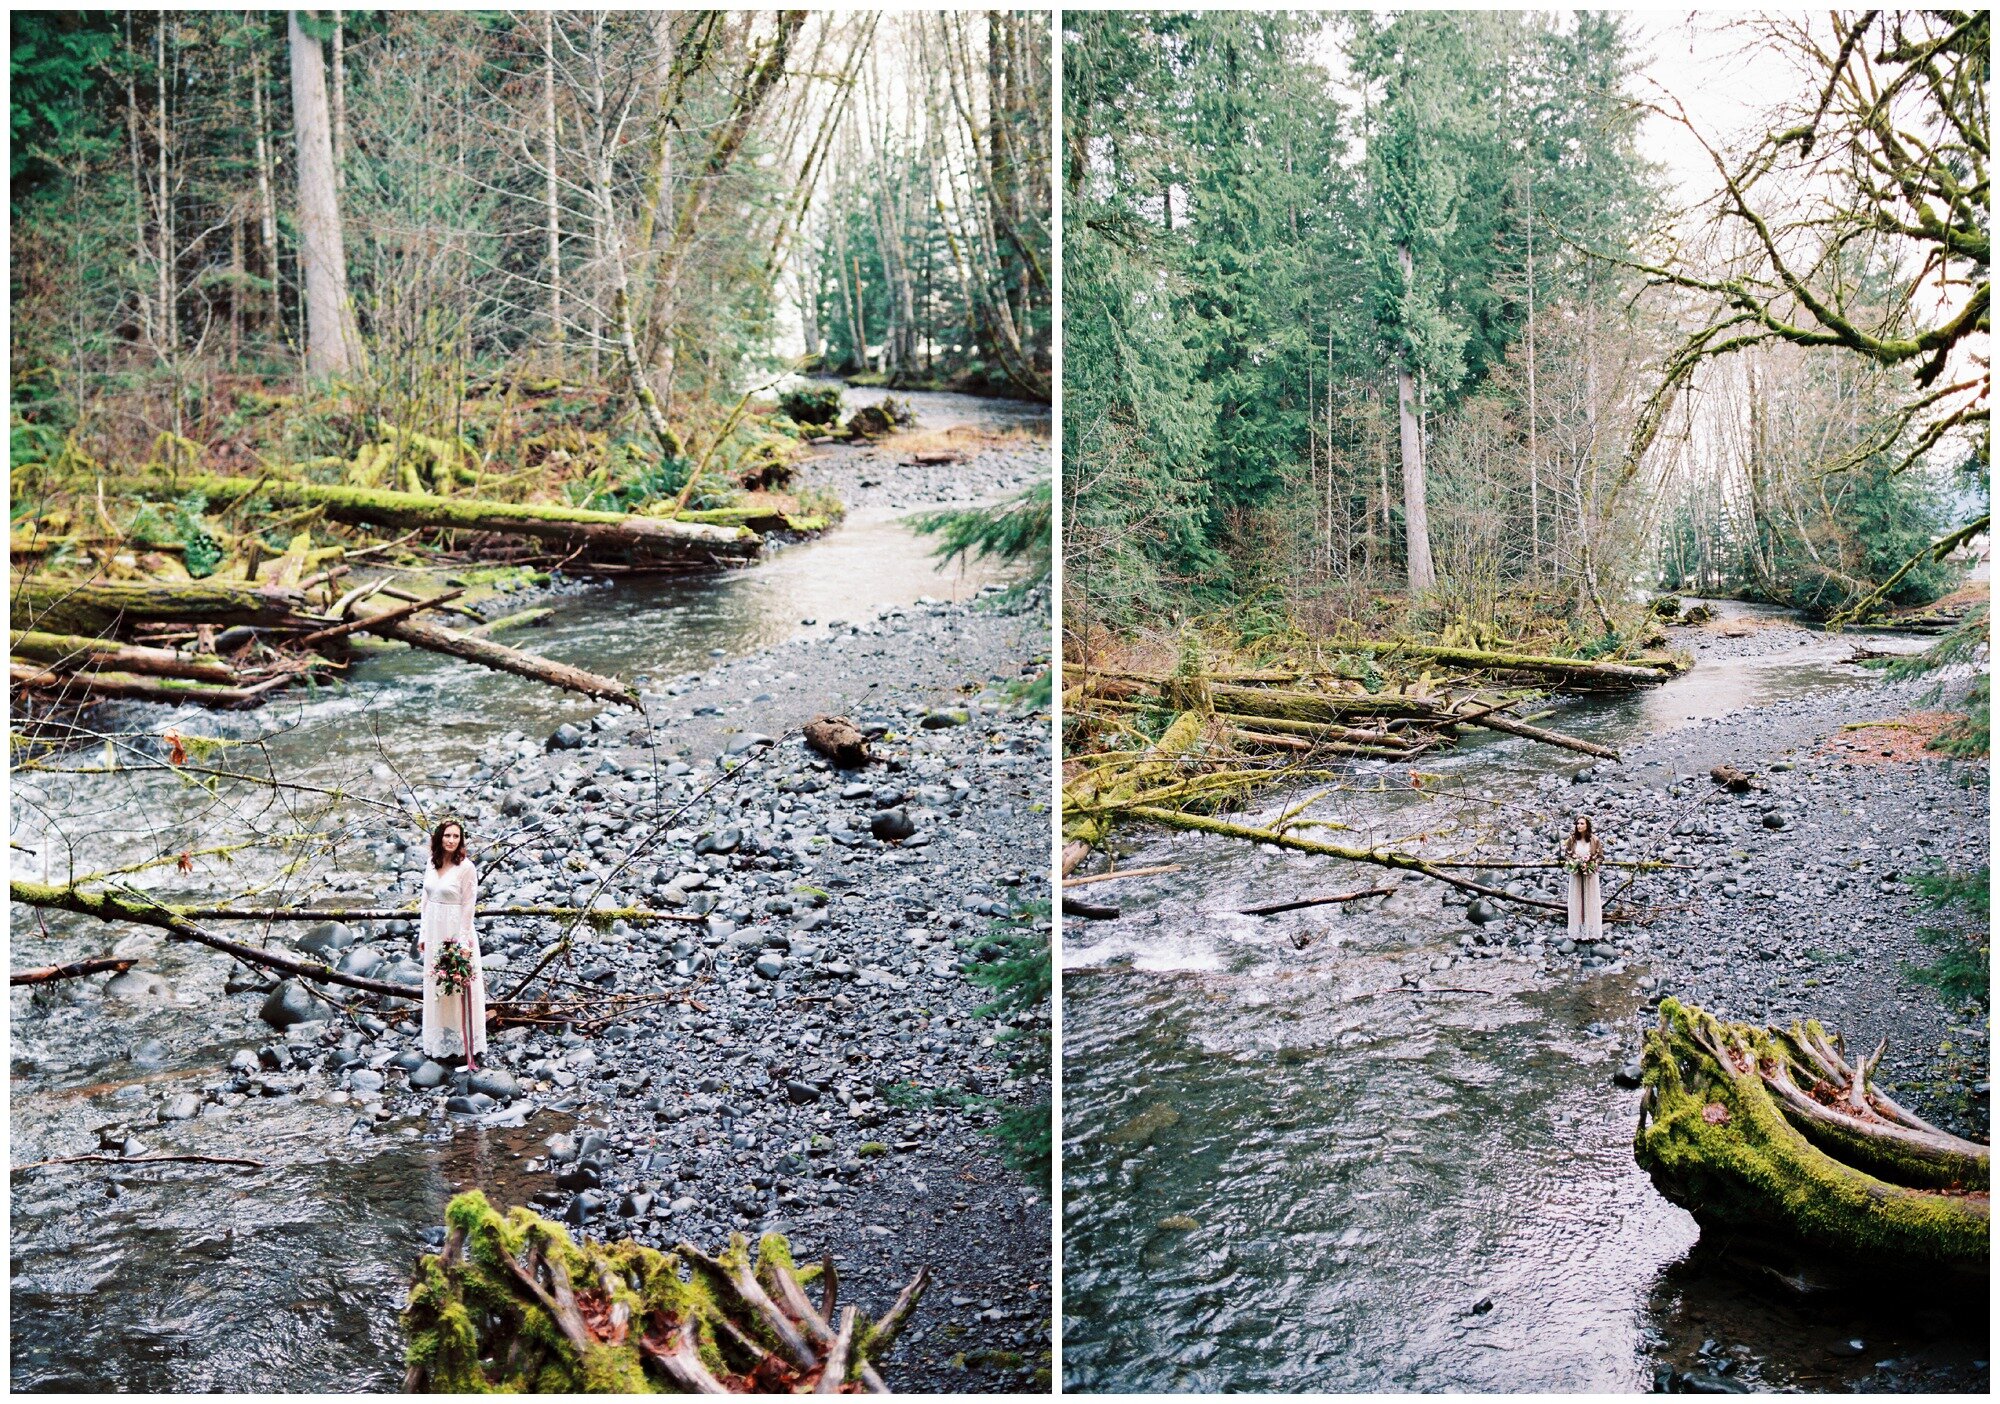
[
  {"x": 286, "y": 1277},
  {"x": 1287, "y": 1169}
]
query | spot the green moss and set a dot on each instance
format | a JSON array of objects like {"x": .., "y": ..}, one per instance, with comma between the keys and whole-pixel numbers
[
  {"x": 1714, "y": 1141},
  {"x": 868, "y": 1148}
]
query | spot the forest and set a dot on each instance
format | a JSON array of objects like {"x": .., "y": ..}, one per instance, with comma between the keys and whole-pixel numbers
[{"x": 1361, "y": 302}]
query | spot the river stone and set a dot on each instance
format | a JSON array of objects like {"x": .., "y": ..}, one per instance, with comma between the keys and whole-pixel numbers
[
  {"x": 150, "y": 1054},
  {"x": 585, "y": 1206},
  {"x": 327, "y": 936},
  {"x": 564, "y": 738},
  {"x": 746, "y": 741},
  {"x": 185, "y": 1106},
  {"x": 244, "y": 1060},
  {"x": 138, "y": 986},
  {"x": 365, "y": 1080},
  {"x": 770, "y": 965},
  {"x": 721, "y": 841},
  {"x": 427, "y": 1074},
  {"x": 360, "y": 960},
  {"x": 802, "y": 1093},
  {"x": 1481, "y": 912},
  {"x": 939, "y": 720},
  {"x": 1776, "y": 819},
  {"x": 290, "y": 1004},
  {"x": 495, "y": 1082},
  {"x": 579, "y": 1175},
  {"x": 892, "y": 825}
]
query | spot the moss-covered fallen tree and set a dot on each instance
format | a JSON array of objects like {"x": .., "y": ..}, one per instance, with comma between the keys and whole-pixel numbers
[
  {"x": 512, "y": 1304},
  {"x": 1776, "y": 1135}
]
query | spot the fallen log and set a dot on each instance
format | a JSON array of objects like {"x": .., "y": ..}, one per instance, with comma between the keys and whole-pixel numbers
[
  {"x": 131, "y": 688},
  {"x": 595, "y": 915},
  {"x": 113, "y": 906},
  {"x": 514, "y": 1303},
  {"x": 352, "y": 626},
  {"x": 1656, "y": 669},
  {"x": 1381, "y": 857},
  {"x": 839, "y": 740},
  {"x": 573, "y": 528},
  {"x": 1720, "y": 1135},
  {"x": 1083, "y": 830},
  {"x": 1493, "y": 721},
  {"x": 140, "y": 1160},
  {"x": 1090, "y": 911},
  {"x": 1273, "y": 908},
  {"x": 509, "y": 621},
  {"x": 75, "y": 651},
  {"x": 98, "y": 607},
  {"x": 1162, "y": 869},
  {"x": 76, "y": 969},
  {"x": 438, "y": 639}
]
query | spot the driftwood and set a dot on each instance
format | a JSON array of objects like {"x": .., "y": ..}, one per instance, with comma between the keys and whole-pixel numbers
[
  {"x": 76, "y": 969},
  {"x": 1159, "y": 871},
  {"x": 140, "y": 1160},
  {"x": 438, "y": 639},
  {"x": 1273, "y": 908},
  {"x": 513, "y": 1303},
  {"x": 1090, "y": 911},
  {"x": 1775, "y": 1135},
  {"x": 133, "y": 688},
  {"x": 1655, "y": 669},
  {"x": 839, "y": 740},
  {"x": 570, "y": 528},
  {"x": 1493, "y": 721}
]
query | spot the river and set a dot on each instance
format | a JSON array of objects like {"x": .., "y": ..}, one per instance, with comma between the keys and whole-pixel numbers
[
  {"x": 1286, "y": 1169},
  {"x": 286, "y": 1278}
]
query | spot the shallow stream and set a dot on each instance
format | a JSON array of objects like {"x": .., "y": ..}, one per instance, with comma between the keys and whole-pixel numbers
[
  {"x": 1288, "y": 1169},
  {"x": 184, "y": 1277}
]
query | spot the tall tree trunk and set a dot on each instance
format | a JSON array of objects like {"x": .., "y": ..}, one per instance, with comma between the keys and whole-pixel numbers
[
  {"x": 1534, "y": 455},
  {"x": 332, "y": 344},
  {"x": 267, "y": 202},
  {"x": 168, "y": 294},
  {"x": 340, "y": 99},
  {"x": 552, "y": 195},
  {"x": 141, "y": 247},
  {"x": 1416, "y": 516}
]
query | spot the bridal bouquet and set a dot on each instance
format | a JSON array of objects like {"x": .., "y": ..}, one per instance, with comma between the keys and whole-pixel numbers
[
  {"x": 1585, "y": 865},
  {"x": 454, "y": 968}
]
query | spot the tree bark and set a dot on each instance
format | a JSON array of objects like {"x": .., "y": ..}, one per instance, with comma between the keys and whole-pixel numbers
[
  {"x": 75, "y": 651},
  {"x": 76, "y": 969},
  {"x": 333, "y": 344},
  {"x": 74, "y": 687},
  {"x": 552, "y": 193},
  {"x": 267, "y": 204},
  {"x": 1416, "y": 515},
  {"x": 98, "y": 607}
]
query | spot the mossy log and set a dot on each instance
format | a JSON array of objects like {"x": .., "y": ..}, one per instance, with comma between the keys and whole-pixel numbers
[
  {"x": 1773, "y": 1135},
  {"x": 572, "y": 528},
  {"x": 512, "y": 1304},
  {"x": 1650, "y": 668},
  {"x": 596, "y": 916},
  {"x": 1090, "y": 799},
  {"x": 142, "y": 911},
  {"x": 486, "y": 653},
  {"x": 76, "y": 651},
  {"x": 1380, "y": 857},
  {"x": 99, "y": 607},
  {"x": 1493, "y": 721},
  {"x": 72, "y": 688},
  {"x": 1323, "y": 707}
]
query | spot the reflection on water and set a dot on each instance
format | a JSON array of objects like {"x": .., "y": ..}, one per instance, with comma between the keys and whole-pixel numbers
[{"x": 1288, "y": 1169}]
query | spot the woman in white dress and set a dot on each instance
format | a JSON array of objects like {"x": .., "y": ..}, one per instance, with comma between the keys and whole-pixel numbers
[
  {"x": 451, "y": 888},
  {"x": 1583, "y": 855}
]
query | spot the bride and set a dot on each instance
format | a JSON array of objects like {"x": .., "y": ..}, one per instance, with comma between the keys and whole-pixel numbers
[
  {"x": 454, "y": 987},
  {"x": 1583, "y": 855}
]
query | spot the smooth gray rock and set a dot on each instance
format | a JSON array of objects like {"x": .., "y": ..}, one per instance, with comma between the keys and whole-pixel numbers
[{"x": 292, "y": 1003}]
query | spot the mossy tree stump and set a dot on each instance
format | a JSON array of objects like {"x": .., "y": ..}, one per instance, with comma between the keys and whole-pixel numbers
[
  {"x": 512, "y": 1304},
  {"x": 1777, "y": 1135}
]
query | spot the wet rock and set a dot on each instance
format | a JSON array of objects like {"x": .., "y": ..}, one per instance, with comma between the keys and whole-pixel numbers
[
  {"x": 770, "y": 965},
  {"x": 495, "y": 1082},
  {"x": 722, "y": 841},
  {"x": 587, "y": 1205},
  {"x": 138, "y": 987},
  {"x": 1629, "y": 1074},
  {"x": 326, "y": 937},
  {"x": 470, "y": 1105},
  {"x": 892, "y": 825},
  {"x": 243, "y": 1060},
  {"x": 579, "y": 1175},
  {"x": 939, "y": 720},
  {"x": 1482, "y": 912},
  {"x": 361, "y": 960},
  {"x": 183, "y": 1106},
  {"x": 365, "y": 1080},
  {"x": 292, "y": 1003},
  {"x": 1776, "y": 819},
  {"x": 746, "y": 741},
  {"x": 801, "y": 1093},
  {"x": 152, "y": 1053},
  {"x": 564, "y": 738}
]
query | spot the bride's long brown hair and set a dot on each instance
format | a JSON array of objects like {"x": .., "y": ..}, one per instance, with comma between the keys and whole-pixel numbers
[
  {"x": 438, "y": 859},
  {"x": 1582, "y": 821}
]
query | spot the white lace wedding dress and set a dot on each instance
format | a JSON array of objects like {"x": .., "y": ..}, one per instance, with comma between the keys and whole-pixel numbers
[
  {"x": 1586, "y": 898},
  {"x": 449, "y": 900}
]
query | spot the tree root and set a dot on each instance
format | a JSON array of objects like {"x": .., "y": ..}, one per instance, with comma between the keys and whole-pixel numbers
[
  {"x": 511, "y": 1303},
  {"x": 1774, "y": 1134}
]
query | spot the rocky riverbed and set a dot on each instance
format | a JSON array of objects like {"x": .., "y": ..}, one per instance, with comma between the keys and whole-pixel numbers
[
  {"x": 1791, "y": 898},
  {"x": 804, "y": 1053}
]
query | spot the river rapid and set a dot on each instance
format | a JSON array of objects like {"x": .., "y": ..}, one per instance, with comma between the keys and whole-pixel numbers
[{"x": 1340, "y": 1150}]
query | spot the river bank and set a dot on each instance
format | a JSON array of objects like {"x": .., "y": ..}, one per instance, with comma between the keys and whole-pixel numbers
[
  {"x": 821, "y": 1070},
  {"x": 1382, "y": 1145}
]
